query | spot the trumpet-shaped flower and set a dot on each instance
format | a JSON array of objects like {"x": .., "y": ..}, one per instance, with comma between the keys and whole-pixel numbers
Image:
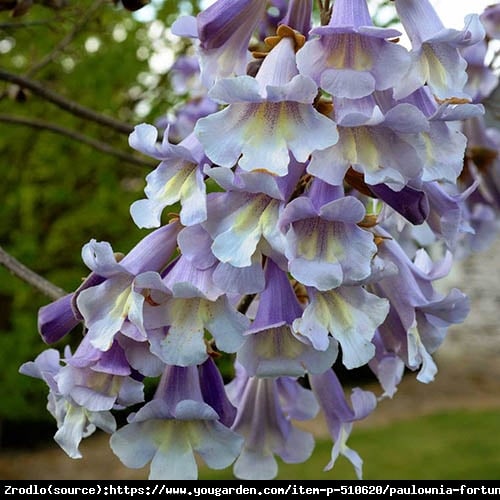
[
  {"x": 271, "y": 348},
  {"x": 436, "y": 58},
  {"x": 99, "y": 380},
  {"x": 175, "y": 425},
  {"x": 240, "y": 224},
  {"x": 179, "y": 177},
  {"x": 350, "y": 314},
  {"x": 74, "y": 422},
  {"x": 350, "y": 57},
  {"x": 177, "y": 332},
  {"x": 266, "y": 428},
  {"x": 419, "y": 316},
  {"x": 119, "y": 293},
  {"x": 325, "y": 246},
  {"x": 268, "y": 118},
  {"x": 339, "y": 416},
  {"x": 224, "y": 30}
]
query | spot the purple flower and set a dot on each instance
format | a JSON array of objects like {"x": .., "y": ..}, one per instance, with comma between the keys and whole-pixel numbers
[
  {"x": 177, "y": 332},
  {"x": 74, "y": 422},
  {"x": 350, "y": 57},
  {"x": 263, "y": 419},
  {"x": 57, "y": 319},
  {"x": 195, "y": 244},
  {"x": 484, "y": 223},
  {"x": 181, "y": 122},
  {"x": 411, "y": 203},
  {"x": 378, "y": 138},
  {"x": 99, "y": 380},
  {"x": 179, "y": 177},
  {"x": 324, "y": 245},
  {"x": 418, "y": 316},
  {"x": 177, "y": 423},
  {"x": 271, "y": 348},
  {"x": 115, "y": 292},
  {"x": 482, "y": 80},
  {"x": 185, "y": 77},
  {"x": 243, "y": 226},
  {"x": 437, "y": 60},
  {"x": 224, "y": 30},
  {"x": 350, "y": 314},
  {"x": 387, "y": 366},
  {"x": 331, "y": 160},
  {"x": 269, "y": 117},
  {"x": 483, "y": 160},
  {"x": 442, "y": 145},
  {"x": 447, "y": 216},
  {"x": 339, "y": 416},
  {"x": 491, "y": 20},
  {"x": 298, "y": 15}
]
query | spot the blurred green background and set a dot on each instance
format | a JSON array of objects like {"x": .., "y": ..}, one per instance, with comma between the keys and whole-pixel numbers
[{"x": 57, "y": 193}]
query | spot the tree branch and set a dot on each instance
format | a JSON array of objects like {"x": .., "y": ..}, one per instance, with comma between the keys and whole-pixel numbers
[
  {"x": 89, "y": 141},
  {"x": 66, "y": 104},
  {"x": 77, "y": 28},
  {"x": 24, "y": 24},
  {"x": 29, "y": 276}
]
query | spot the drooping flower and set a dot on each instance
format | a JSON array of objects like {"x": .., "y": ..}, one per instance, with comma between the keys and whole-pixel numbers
[
  {"x": 339, "y": 416},
  {"x": 324, "y": 245},
  {"x": 387, "y": 366},
  {"x": 195, "y": 244},
  {"x": 269, "y": 117},
  {"x": 224, "y": 30},
  {"x": 238, "y": 222},
  {"x": 436, "y": 58},
  {"x": 378, "y": 138},
  {"x": 418, "y": 316},
  {"x": 350, "y": 57},
  {"x": 178, "y": 177},
  {"x": 177, "y": 332},
  {"x": 74, "y": 422},
  {"x": 263, "y": 419},
  {"x": 271, "y": 347},
  {"x": 115, "y": 292},
  {"x": 481, "y": 79},
  {"x": 350, "y": 315},
  {"x": 491, "y": 20},
  {"x": 99, "y": 380},
  {"x": 175, "y": 425},
  {"x": 56, "y": 319}
]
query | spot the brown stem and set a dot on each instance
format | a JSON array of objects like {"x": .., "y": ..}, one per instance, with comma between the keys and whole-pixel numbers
[
  {"x": 66, "y": 104},
  {"x": 89, "y": 141},
  {"x": 77, "y": 28},
  {"x": 29, "y": 276}
]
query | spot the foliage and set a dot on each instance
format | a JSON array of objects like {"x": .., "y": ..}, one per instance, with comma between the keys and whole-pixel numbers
[{"x": 56, "y": 192}]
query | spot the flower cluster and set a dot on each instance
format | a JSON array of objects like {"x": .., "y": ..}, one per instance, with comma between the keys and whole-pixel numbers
[{"x": 312, "y": 167}]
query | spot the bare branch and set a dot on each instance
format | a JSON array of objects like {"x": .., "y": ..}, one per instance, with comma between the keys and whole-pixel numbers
[
  {"x": 66, "y": 104},
  {"x": 29, "y": 276},
  {"x": 77, "y": 28},
  {"x": 89, "y": 141},
  {"x": 24, "y": 24}
]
